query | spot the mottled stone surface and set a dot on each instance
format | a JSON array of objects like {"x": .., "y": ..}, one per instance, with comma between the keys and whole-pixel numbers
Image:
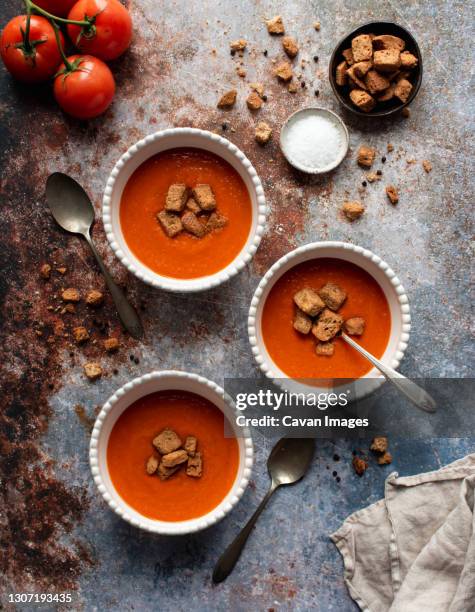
[{"x": 55, "y": 531}]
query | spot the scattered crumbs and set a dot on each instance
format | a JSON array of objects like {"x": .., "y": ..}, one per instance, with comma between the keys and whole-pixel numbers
[
  {"x": 317, "y": 25},
  {"x": 427, "y": 165},
  {"x": 390, "y": 147}
]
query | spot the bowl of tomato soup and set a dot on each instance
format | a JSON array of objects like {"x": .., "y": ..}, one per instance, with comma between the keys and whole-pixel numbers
[
  {"x": 373, "y": 292},
  {"x": 121, "y": 445},
  {"x": 136, "y": 193}
]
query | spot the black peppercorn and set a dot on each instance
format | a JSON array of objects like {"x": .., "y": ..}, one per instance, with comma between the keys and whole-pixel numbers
[
  {"x": 364, "y": 183},
  {"x": 383, "y": 159},
  {"x": 265, "y": 52},
  {"x": 378, "y": 172},
  {"x": 315, "y": 58},
  {"x": 317, "y": 93}
]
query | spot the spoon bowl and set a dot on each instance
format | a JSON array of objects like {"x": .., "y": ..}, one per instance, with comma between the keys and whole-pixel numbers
[{"x": 69, "y": 203}]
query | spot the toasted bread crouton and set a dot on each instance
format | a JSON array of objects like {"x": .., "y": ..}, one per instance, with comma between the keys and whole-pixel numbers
[
  {"x": 238, "y": 45},
  {"x": 340, "y": 74},
  {"x": 92, "y": 370},
  {"x": 348, "y": 55},
  {"x": 216, "y": 221},
  {"x": 375, "y": 82},
  {"x": 309, "y": 301},
  {"x": 392, "y": 194},
  {"x": 379, "y": 444},
  {"x": 359, "y": 465},
  {"x": 403, "y": 90},
  {"x": 152, "y": 465},
  {"x": 333, "y": 295},
  {"x": 263, "y": 132},
  {"x": 71, "y": 295},
  {"x": 177, "y": 196},
  {"x": 204, "y": 196},
  {"x": 164, "y": 473},
  {"x": 227, "y": 100},
  {"x": 45, "y": 271},
  {"x": 190, "y": 445},
  {"x": 284, "y": 71},
  {"x": 174, "y": 458},
  {"x": 362, "y": 48},
  {"x": 387, "y": 41},
  {"x": 192, "y": 224},
  {"x": 362, "y": 100},
  {"x": 81, "y": 335},
  {"x": 193, "y": 205},
  {"x": 290, "y": 46},
  {"x": 167, "y": 441},
  {"x": 302, "y": 322},
  {"x": 325, "y": 348},
  {"x": 353, "y": 210},
  {"x": 354, "y": 78},
  {"x": 387, "y": 94},
  {"x": 94, "y": 297},
  {"x": 327, "y": 326},
  {"x": 111, "y": 345},
  {"x": 275, "y": 25},
  {"x": 365, "y": 156},
  {"x": 427, "y": 165},
  {"x": 408, "y": 60},
  {"x": 171, "y": 223},
  {"x": 354, "y": 326},
  {"x": 387, "y": 60},
  {"x": 385, "y": 459},
  {"x": 194, "y": 467},
  {"x": 254, "y": 101}
]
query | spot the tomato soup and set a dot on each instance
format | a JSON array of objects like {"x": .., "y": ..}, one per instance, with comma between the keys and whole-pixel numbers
[
  {"x": 293, "y": 352},
  {"x": 180, "y": 497},
  {"x": 184, "y": 256}
]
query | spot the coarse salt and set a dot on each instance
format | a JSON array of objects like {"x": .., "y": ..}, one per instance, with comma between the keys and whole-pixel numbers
[{"x": 314, "y": 140}]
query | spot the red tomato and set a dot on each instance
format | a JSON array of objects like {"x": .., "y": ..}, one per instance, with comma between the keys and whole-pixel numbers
[
  {"x": 87, "y": 90},
  {"x": 110, "y": 32},
  {"x": 59, "y": 8},
  {"x": 34, "y": 60}
]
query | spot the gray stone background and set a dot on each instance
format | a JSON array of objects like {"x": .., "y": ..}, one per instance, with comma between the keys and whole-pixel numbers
[{"x": 56, "y": 532}]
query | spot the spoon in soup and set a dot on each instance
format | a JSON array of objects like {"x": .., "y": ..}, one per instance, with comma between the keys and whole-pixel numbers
[
  {"x": 287, "y": 464},
  {"x": 73, "y": 211},
  {"x": 415, "y": 394}
]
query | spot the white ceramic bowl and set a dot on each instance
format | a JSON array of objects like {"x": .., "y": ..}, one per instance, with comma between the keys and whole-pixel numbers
[
  {"x": 122, "y": 399},
  {"x": 374, "y": 265},
  {"x": 170, "y": 139}
]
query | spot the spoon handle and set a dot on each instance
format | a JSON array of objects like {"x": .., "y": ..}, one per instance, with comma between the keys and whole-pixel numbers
[
  {"x": 417, "y": 395},
  {"x": 127, "y": 314},
  {"x": 230, "y": 556}
]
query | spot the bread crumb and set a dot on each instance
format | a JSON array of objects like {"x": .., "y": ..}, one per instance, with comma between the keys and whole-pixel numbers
[
  {"x": 258, "y": 88},
  {"x": 275, "y": 25},
  {"x": 290, "y": 46},
  {"x": 317, "y": 25},
  {"x": 379, "y": 444},
  {"x": 71, "y": 295},
  {"x": 365, "y": 156},
  {"x": 92, "y": 370},
  {"x": 292, "y": 88},
  {"x": 427, "y": 165},
  {"x": 263, "y": 132},
  {"x": 392, "y": 194},
  {"x": 111, "y": 344},
  {"x": 94, "y": 298},
  {"x": 254, "y": 101},
  {"x": 80, "y": 334},
  {"x": 62, "y": 270},
  {"x": 152, "y": 465},
  {"x": 390, "y": 147},
  {"x": 284, "y": 71},
  {"x": 227, "y": 100},
  {"x": 353, "y": 210},
  {"x": 359, "y": 465},
  {"x": 238, "y": 45},
  {"x": 385, "y": 459},
  {"x": 45, "y": 271},
  {"x": 372, "y": 177}
]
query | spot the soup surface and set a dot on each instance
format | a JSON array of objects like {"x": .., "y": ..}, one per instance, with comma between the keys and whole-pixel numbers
[
  {"x": 180, "y": 497},
  {"x": 293, "y": 352},
  {"x": 184, "y": 256}
]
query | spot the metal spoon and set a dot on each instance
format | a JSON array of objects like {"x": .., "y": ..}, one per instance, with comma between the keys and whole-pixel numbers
[
  {"x": 288, "y": 462},
  {"x": 417, "y": 395},
  {"x": 73, "y": 211}
]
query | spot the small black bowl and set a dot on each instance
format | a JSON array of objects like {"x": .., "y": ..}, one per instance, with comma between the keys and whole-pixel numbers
[{"x": 376, "y": 27}]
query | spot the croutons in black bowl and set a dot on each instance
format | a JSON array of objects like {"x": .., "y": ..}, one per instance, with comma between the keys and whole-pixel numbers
[{"x": 364, "y": 90}]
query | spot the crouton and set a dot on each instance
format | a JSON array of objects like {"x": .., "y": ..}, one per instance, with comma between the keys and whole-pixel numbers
[
  {"x": 275, "y": 25},
  {"x": 362, "y": 100},
  {"x": 309, "y": 301},
  {"x": 62, "y": 270},
  {"x": 375, "y": 82},
  {"x": 81, "y": 335},
  {"x": 263, "y": 132},
  {"x": 167, "y": 441},
  {"x": 204, "y": 196},
  {"x": 111, "y": 344},
  {"x": 393, "y": 194},
  {"x": 292, "y": 87},
  {"x": 387, "y": 41},
  {"x": 302, "y": 322},
  {"x": 354, "y": 326},
  {"x": 176, "y": 198},
  {"x": 227, "y": 100},
  {"x": 238, "y": 45},
  {"x": 171, "y": 224},
  {"x": 290, "y": 46},
  {"x": 152, "y": 465},
  {"x": 353, "y": 210},
  {"x": 361, "y": 68},
  {"x": 164, "y": 473},
  {"x": 193, "y": 205},
  {"x": 194, "y": 467},
  {"x": 427, "y": 165},
  {"x": 365, "y": 156},
  {"x": 317, "y": 25},
  {"x": 332, "y": 295},
  {"x": 94, "y": 297},
  {"x": 348, "y": 55},
  {"x": 192, "y": 224},
  {"x": 385, "y": 459},
  {"x": 325, "y": 348},
  {"x": 403, "y": 90},
  {"x": 379, "y": 444},
  {"x": 408, "y": 60},
  {"x": 387, "y": 60},
  {"x": 362, "y": 48},
  {"x": 284, "y": 71},
  {"x": 327, "y": 326},
  {"x": 216, "y": 221},
  {"x": 387, "y": 94},
  {"x": 174, "y": 458},
  {"x": 340, "y": 74},
  {"x": 257, "y": 87},
  {"x": 190, "y": 445},
  {"x": 45, "y": 271},
  {"x": 71, "y": 295},
  {"x": 359, "y": 465},
  {"x": 254, "y": 101},
  {"x": 355, "y": 79},
  {"x": 92, "y": 370}
]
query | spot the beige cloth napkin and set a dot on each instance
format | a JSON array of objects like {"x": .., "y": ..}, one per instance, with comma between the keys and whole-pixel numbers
[{"x": 414, "y": 550}]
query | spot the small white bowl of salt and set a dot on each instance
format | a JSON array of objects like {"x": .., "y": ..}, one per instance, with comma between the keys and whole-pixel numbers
[{"x": 314, "y": 140}]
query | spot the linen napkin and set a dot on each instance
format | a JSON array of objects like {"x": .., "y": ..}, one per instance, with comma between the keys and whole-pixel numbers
[{"x": 414, "y": 550}]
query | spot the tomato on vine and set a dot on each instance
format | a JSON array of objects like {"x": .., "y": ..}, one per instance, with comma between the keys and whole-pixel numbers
[
  {"x": 29, "y": 49},
  {"x": 60, "y": 8},
  {"x": 109, "y": 32},
  {"x": 84, "y": 86}
]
